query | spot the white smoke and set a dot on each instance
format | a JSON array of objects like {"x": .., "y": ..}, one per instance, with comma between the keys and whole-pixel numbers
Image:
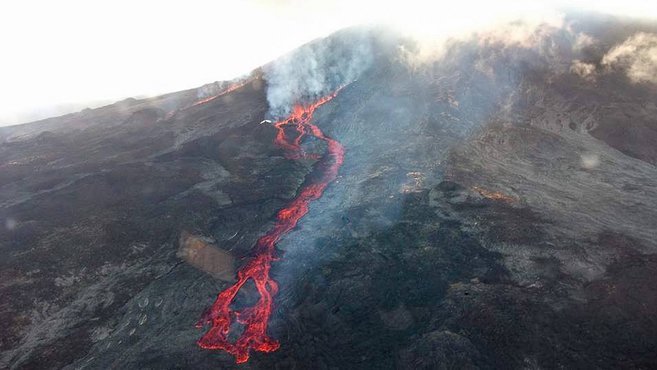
[
  {"x": 582, "y": 41},
  {"x": 636, "y": 56},
  {"x": 543, "y": 39},
  {"x": 583, "y": 70},
  {"x": 316, "y": 69}
]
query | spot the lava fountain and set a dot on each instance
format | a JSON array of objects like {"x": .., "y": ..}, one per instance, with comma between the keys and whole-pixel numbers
[{"x": 255, "y": 319}]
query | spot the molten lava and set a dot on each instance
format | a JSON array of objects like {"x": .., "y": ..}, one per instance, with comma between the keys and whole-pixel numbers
[
  {"x": 227, "y": 90},
  {"x": 256, "y": 318},
  {"x": 223, "y": 92},
  {"x": 494, "y": 195}
]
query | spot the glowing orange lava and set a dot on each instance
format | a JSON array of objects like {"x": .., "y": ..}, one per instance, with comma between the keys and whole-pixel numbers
[
  {"x": 229, "y": 89},
  {"x": 255, "y": 319},
  {"x": 494, "y": 195}
]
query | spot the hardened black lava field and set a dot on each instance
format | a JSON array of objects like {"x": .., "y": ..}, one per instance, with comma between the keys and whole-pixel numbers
[{"x": 494, "y": 208}]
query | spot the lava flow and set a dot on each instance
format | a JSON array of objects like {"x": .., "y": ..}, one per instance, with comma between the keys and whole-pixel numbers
[
  {"x": 227, "y": 90},
  {"x": 223, "y": 92},
  {"x": 256, "y": 318}
]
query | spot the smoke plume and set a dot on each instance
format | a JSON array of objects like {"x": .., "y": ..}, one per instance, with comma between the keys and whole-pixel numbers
[
  {"x": 316, "y": 69},
  {"x": 637, "y": 56},
  {"x": 583, "y": 70}
]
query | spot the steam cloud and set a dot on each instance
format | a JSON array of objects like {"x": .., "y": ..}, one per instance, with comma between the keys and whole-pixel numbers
[
  {"x": 316, "y": 69},
  {"x": 637, "y": 56},
  {"x": 584, "y": 70},
  {"x": 549, "y": 42}
]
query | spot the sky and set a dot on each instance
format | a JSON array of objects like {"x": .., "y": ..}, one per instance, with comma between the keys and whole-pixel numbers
[{"x": 62, "y": 56}]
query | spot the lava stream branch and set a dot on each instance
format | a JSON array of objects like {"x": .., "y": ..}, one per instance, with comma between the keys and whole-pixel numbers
[
  {"x": 227, "y": 90},
  {"x": 232, "y": 87},
  {"x": 255, "y": 319}
]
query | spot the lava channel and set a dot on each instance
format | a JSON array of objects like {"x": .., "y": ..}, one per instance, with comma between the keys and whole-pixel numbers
[
  {"x": 208, "y": 99},
  {"x": 227, "y": 90},
  {"x": 255, "y": 319}
]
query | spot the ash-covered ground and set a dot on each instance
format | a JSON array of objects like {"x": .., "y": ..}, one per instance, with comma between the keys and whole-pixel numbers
[{"x": 497, "y": 208}]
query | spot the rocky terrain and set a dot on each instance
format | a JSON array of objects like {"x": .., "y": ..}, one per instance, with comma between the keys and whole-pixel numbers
[{"x": 496, "y": 209}]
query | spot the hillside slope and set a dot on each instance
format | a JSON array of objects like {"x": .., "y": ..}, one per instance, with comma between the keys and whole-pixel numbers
[{"x": 497, "y": 208}]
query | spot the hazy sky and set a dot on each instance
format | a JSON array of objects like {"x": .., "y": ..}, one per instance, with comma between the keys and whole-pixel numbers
[{"x": 72, "y": 52}]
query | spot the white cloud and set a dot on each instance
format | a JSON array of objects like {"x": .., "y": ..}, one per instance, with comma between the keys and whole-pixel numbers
[
  {"x": 637, "y": 56},
  {"x": 582, "y": 40},
  {"x": 584, "y": 70}
]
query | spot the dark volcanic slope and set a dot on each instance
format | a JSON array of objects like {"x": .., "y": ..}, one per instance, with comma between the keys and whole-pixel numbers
[{"x": 496, "y": 208}]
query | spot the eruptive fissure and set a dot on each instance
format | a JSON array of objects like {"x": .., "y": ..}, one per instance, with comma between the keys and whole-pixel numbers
[
  {"x": 232, "y": 87},
  {"x": 255, "y": 319},
  {"x": 227, "y": 90}
]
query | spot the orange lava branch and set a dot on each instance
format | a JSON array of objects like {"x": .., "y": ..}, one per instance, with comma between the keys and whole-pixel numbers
[
  {"x": 229, "y": 89},
  {"x": 255, "y": 319}
]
